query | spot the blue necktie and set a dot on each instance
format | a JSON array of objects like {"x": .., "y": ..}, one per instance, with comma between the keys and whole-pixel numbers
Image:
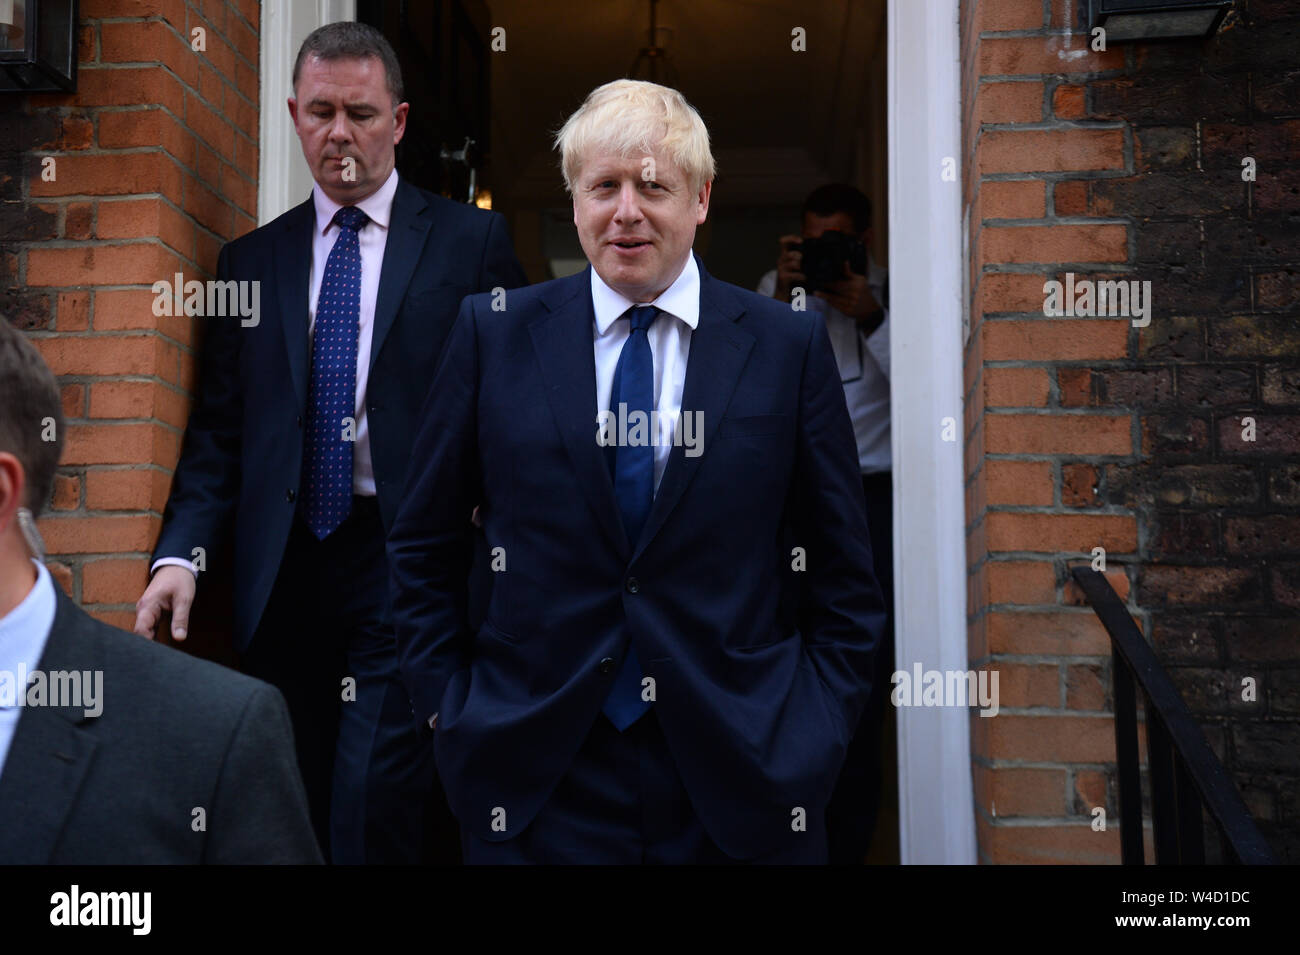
[
  {"x": 634, "y": 476},
  {"x": 327, "y": 472}
]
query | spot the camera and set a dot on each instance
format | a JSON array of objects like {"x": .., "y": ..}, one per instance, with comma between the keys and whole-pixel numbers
[{"x": 824, "y": 258}]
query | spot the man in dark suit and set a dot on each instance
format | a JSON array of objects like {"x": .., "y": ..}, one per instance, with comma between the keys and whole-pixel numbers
[
  {"x": 114, "y": 750},
  {"x": 683, "y": 615},
  {"x": 300, "y": 437}
]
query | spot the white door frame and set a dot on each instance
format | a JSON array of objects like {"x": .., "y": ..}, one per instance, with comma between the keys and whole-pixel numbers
[
  {"x": 283, "y": 179},
  {"x": 926, "y": 265}
]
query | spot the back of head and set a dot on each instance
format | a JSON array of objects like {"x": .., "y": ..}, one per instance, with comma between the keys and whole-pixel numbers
[{"x": 31, "y": 414}]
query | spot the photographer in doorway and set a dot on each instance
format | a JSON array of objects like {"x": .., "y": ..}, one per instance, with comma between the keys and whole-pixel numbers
[{"x": 829, "y": 269}]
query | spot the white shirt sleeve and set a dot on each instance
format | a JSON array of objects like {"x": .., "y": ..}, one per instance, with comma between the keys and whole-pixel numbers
[
  {"x": 878, "y": 345},
  {"x": 173, "y": 562}
]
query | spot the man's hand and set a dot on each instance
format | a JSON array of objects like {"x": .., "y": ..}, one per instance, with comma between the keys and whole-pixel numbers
[
  {"x": 852, "y": 296},
  {"x": 172, "y": 588},
  {"x": 788, "y": 265}
]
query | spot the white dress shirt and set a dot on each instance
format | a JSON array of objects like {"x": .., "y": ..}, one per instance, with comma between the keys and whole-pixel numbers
[
  {"x": 24, "y": 631},
  {"x": 670, "y": 346},
  {"x": 373, "y": 239},
  {"x": 863, "y": 361}
]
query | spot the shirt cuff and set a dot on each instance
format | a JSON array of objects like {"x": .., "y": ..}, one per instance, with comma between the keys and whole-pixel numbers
[{"x": 173, "y": 562}]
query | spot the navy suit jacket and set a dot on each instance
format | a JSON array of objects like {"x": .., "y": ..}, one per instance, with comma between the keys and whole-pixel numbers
[
  {"x": 242, "y": 459},
  {"x": 760, "y": 671}
]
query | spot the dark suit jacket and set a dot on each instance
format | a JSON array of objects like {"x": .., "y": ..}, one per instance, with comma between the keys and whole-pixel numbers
[
  {"x": 757, "y": 705},
  {"x": 175, "y": 734},
  {"x": 242, "y": 458}
]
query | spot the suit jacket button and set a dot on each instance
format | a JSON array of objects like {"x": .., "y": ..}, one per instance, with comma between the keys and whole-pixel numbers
[
  {"x": 299, "y": 419},
  {"x": 290, "y": 495},
  {"x": 633, "y": 585},
  {"x": 607, "y": 665}
]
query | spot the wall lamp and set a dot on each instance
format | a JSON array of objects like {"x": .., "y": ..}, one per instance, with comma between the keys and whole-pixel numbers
[
  {"x": 1127, "y": 20},
  {"x": 38, "y": 46}
]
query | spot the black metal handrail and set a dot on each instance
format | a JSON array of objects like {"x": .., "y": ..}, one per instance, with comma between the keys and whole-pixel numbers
[{"x": 1184, "y": 772}]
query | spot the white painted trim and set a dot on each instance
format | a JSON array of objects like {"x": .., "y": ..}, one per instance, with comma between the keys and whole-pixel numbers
[
  {"x": 283, "y": 179},
  {"x": 936, "y": 795}
]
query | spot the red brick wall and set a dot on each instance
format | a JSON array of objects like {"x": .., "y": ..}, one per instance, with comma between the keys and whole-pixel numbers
[
  {"x": 1087, "y": 432},
  {"x": 155, "y": 167}
]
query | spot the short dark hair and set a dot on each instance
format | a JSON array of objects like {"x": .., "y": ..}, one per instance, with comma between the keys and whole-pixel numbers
[
  {"x": 840, "y": 197},
  {"x": 347, "y": 38},
  {"x": 29, "y": 396}
]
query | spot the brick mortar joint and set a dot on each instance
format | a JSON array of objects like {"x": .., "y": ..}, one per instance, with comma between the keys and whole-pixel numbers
[
  {"x": 224, "y": 36},
  {"x": 184, "y": 87},
  {"x": 207, "y": 25}
]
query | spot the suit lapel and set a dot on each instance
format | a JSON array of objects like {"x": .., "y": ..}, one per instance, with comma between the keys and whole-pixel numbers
[
  {"x": 407, "y": 228},
  {"x": 292, "y": 257},
  {"x": 719, "y": 349},
  {"x": 51, "y": 750},
  {"x": 562, "y": 339}
]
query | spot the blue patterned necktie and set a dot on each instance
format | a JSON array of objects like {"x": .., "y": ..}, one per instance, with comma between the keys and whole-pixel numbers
[
  {"x": 634, "y": 476},
  {"x": 327, "y": 472}
]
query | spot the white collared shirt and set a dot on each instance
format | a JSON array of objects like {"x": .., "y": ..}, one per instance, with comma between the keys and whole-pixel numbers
[
  {"x": 24, "y": 631},
  {"x": 863, "y": 362},
  {"x": 373, "y": 239},
  {"x": 670, "y": 346}
]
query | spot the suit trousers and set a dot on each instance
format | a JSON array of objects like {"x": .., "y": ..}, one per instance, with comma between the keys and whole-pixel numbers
[
  {"x": 855, "y": 803},
  {"x": 326, "y": 641},
  {"x": 622, "y": 802}
]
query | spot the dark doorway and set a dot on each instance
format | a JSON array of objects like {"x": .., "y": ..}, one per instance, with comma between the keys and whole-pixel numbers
[{"x": 443, "y": 49}]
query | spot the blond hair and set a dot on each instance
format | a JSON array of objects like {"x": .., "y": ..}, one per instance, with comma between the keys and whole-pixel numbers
[{"x": 626, "y": 117}]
